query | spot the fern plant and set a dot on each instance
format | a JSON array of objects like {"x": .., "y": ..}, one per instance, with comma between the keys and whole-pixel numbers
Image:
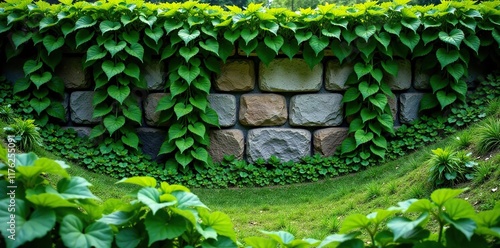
[{"x": 25, "y": 134}]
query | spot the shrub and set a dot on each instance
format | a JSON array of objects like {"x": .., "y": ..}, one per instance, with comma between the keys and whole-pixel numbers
[
  {"x": 489, "y": 136},
  {"x": 449, "y": 167},
  {"x": 6, "y": 113},
  {"x": 25, "y": 134}
]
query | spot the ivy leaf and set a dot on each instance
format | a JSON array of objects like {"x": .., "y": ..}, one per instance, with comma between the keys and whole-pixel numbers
[
  {"x": 155, "y": 34},
  {"x": 341, "y": 49},
  {"x": 232, "y": 35},
  {"x": 151, "y": 198},
  {"x": 102, "y": 110},
  {"x": 20, "y": 37},
  {"x": 181, "y": 109},
  {"x": 354, "y": 222},
  {"x": 95, "y": 53},
  {"x": 446, "y": 57},
  {"x": 183, "y": 159},
  {"x": 210, "y": 45},
  {"x": 200, "y": 154},
  {"x": 318, "y": 44},
  {"x": 459, "y": 87},
  {"x": 332, "y": 31},
  {"x": 379, "y": 101},
  {"x": 402, "y": 225},
  {"x": 131, "y": 139},
  {"x": 52, "y": 43},
  {"x": 248, "y": 48},
  {"x": 411, "y": 23},
  {"x": 391, "y": 66},
  {"x": 132, "y": 70},
  {"x": 119, "y": 93},
  {"x": 113, "y": 48},
  {"x": 136, "y": 50},
  {"x": 365, "y": 32},
  {"x": 176, "y": 131},
  {"x": 107, "y": 26},
  {"x": 84, "y": 22},
  {"x": 410, "y": 39},
  {"x": 362, "y": 137},
  {"x": 56, "y": 109},
  {"x": 265, "y": 54},
  {"x": 158, "y": 230},
  {"x": 367, "y": 89},
  {"x": 393, "y": 28},
  {"x": 83, "y": 36},
  {"x": 31, "y": 66},
  {"x": 248, "y": 35},
  {"x": 362, "y": 69},
  {"x": 454, "y": 37},
  {"x": 348, "y": 145},
  {"x": 473, "y": 42},
  {"x": 149, "y": 21},
  {"x": 384, "y": 39},
  {"x": 429, "y": 101},
  {"x": 290, "y": 48},
  {"x": 456, "y": 70},
  {"x": 97, "y": 131},
  {"x": 75, "y": 188},
  {"x": 171, "y": 25},
  {"x": 186, "y": 36},
  {"x": 133, "y": 112},
  {"x": 189, "y": 73},
  {"x": 312, "y": 59},
  {"x": 40, "y": 79},
  {"x": 197, "y": 128},
  {"x": 269, "y": 26},
  {"x": 111, "y": 69},
  {"x": 351, "y": 94},
  {"x": 131, "y": 37},
  {"x": 210, "y": 117},
  {"x": 302, "y": 36},
  {"x": 437, "y": 83},
  {"x": 184, "y": 144},
  {"x": 445, "y": 99},
  {"x": 387, "y": 122},
  {"x": 261, "y": 242},
  {"x": 178, "y": 87},
  {"x": 187, "y": 53},
  {"x": 113, "y": 123},
  {"x": 73, "y": 233},
  {"x": 275, "y": 43}
]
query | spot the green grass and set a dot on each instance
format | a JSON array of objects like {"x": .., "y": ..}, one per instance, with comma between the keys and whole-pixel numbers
[{"x": 317, "y": 209}]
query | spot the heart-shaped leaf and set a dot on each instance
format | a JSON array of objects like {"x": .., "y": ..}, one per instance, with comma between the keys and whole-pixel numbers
[
  {"x": 95, "y": 53},
  {"x": 155, "y": 34},
  {"x": 184, "y": 144},
  {"x": 40, "y": 79},
  {"x": 73, "y": 234},
  {"x": 454, "y": 37},
  {"x": 269, "y": 26},
  {"x": 446, "y": 99},
  {"x": 446, "y": 57},
  {"x": 131, "y": 140},
  {"x": 456, "y": 70},
  {"x": 199, "y": 102},
  {"x": 318, "y": 44},
  {"x": 84, "y": 22},
  {"x": 20, "y": 37},
  {"x": 198, "y": 128},
  {"x": 74, "y": 188},
  {"x": 83, "y": 36},
  {"x": 119, "y": 93},
  {"x": 133, "y": 112},
  {"x": 248, "y": 35},
  {"x": 332, "y": 31},
  {"x": 157, "y": 230},
  {"x": 136, "y": 50},
  {"x": 368, "y": 89},
  {"x": 362, "y": 137},
  {"x": 379, "y": 101},
  {"x": 362, "y": 69},
  {"x": 402, "y": 225},
  {"x": 107, "y": 26},
  {"x": 39, "y": 105},
  {"x": 460, "y": 87},
  {"x": 186, "y": 36},
  {"x": 176, "y": 131},
  {"x": 232, "y": 35},
  {"x": 178, "y": 87},
  {"x": 183, "y": 159},
  {"x": 274, "y": 43},
  {"x": 365, "y": 32},
  {"x": 52, "y": 43},
  {"x": 189, "y": 73},
  {"x": 473, "y": 42},
  {"x": 131, "y": 37},
  {"x": 302, "y": 36},
  {"x": 248, "y": 48},
  {"x": 210, "y": 45},
  {"x": 290, "y": 48},
  {"x": 341, "y": 49},
  {"x": 111, "y": 69},
  {"x": 368, "y": 114},
  {"x": 31, "y": 66},
  {"x": 113, "y": 47},
  {"x": 149, "y": 21},
  {"x": 181, "y": 109},
  {"x": 409, "y": 39},
  {"x": 113, "y": 123},
  {"x": 187, "y": 53}
]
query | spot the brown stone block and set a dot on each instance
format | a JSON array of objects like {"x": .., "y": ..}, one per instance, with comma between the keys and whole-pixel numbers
[
  {"x": 327, "y": 140},
  {"x": 236, "y": 75},
  {"x": 263, "y": 110},
  {"x": 226, "y": 142}
]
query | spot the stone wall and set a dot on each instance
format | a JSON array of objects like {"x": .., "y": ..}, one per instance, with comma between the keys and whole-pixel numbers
[{"x": 284, "y": 109}]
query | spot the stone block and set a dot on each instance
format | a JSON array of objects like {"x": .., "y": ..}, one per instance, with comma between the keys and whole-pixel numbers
[
  {"x": 285, "y": 75},
  {"x": 225, "y": 106},
  {"x": 70, "y": 70},
  {"x": 327, "y": 140},
  {"x": 150, "y": 103},
  {"x": 393, "y": 104},
  {"x": 236, "y": 75},
  {"x": 408, "y": 106},
  {"x": 263, "y": 110},
  {"x": 226, "y": 142},
  {"x": 154, "y": 74},
  {"x": 316, "y": 110},
  {"x": 80, "y": 131},
  {"x": 336, "y": 75},
  {"x": 422, "y": 79},
  {"x": 151, "y": 140},
  {"x": 403, "y": 80},
  {"x": 81, "y": 108},
  {"x": 284, "y": 143}
]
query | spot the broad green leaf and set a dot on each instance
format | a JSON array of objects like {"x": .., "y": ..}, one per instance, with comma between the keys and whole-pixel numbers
[
  {"x": 419, "y": 206},
  {"x": 136, "y": 50},
  {"x": 220, "y": 222},
  {"x": 84, "y": 22},
  {"x": 181, "y": 109},
  {"x": 158, "y": 230},
  {"x": 166, "y": 102},
  {"x": 117, "y": 218},
  {"x": 248, "y": 48},
  {"x": 150, "y": 20},
  {"x": 342, "y": 239},
  {"x": 73, "y": 233},
  {"x": 379, "y": 100},
  {"x": 31, "y": 66},
  {"x": 83, "y": 36},
  {"x": 75, "y": 188},
  {"x": 269, "y": 26},
  {"x": 387, "y": 122},
  {"x": 348, "y": 145},
  {"x": 133, "y": 112},
  {"x": 348, "y": 36},
  {"x": 355, "y": 125},
  {"x": 380, "y": 141},
  {"x": 302, "y": 36},
  {"x": 362, "y": 137},
  {"x": 187, "y": 36},
  {"x": 312, "y": 59},
  {"x": 411, "y": 23},
  {"x": 119, "y": 93},
  {"x": 367, "y": 89},
  {"x": 50, "y": 200},
  {"x": 184, "y": 144},
  {"x": 131, "y": 37},
  {"x": 391, "y": 67},
  {"x": 183, "y": 159},
  {"x": 52, "y": 43},
  {"x": 155, "y": 34},
  {"x": 341, "y": 50},
  {"x": 290, "y": 48},
  {"x": 113, "y": 48},
  {"x": 429, "y": 36},
  {"x": 232, "y": 35},
  {"x": 56, "y": 109},
  {"x": 441, "y": 196},
  {"x": 113, "y": 123},
  {"x": 261, "y": 242},
  {"x": 445, "y": 98},
  {"x": 354, "y": 222},
  {"x": 97, "y": 131},
  {"x": 197, "y": 128},
  {"x": 187, "y": 53},
  {"x": 210, "y": 45},
  {"x": 265, "y": 54},
  {"x": 111, "y": 69},
  {"x": 402, "y": 225},
  {"x": 464, "y": 225},
  {"x": 21, "y": 85},
  {"x": 429, "y": 101},
  {"x": 125, "y": 20},
  {"x": 203, "y": 84},
  {"x": 473, "y": 42},
  {"x": 437, "y": 83},
  {"x": 409, "y": 39},
  {"x": 143, "y": 181},
  {"x": 171, "y": 25},
  {"x": 189, "y": 73},
  {"x": 225, "y": 50},
  {"x": 151, "y": 198},
  {"x": 368, "y": 114},
  {"x": 40, "y": 79},
  {"x": 95, "y": 53},
  {"x": 133, "y": 70},
  {"x": 131, "y": 140},
  {"x": 446, "y": 57},
  {"x": 167, "y": 147},
  {"x": 362, "y": 69},
  {"x": 365, "y": 32},
  {"x": 275, "y": 43},
  {"x": 107, "y": 26},
  {"x": 102, "y": 110},
  {"x": 459, "y": 87},
  {"x": 384, "y": 39},
  {"x": 351, "y": 94},
  {"x": 178, "y": 87},
  {"x": 248, "y": 35},
  {"x": 176, "y": 131},
  {"x": 39, "y": 105},
  {"x": 393, "y": 27},
  {"x": 187, "y": 200},
  {"x": 318, "y": 44},
  {"x": 332, "y": 31},
  {"x": 454, "y": 37},
  {"x": 366, "y": 48},
  {"x": 281, "y": 237},
  {"x": 199, "y": 102},
  {"x": 20, "y": 37},
  {"x": 456, "y": 70},
  {"x": 200, "y": 154},
  {"x": 210, "y": 117}
]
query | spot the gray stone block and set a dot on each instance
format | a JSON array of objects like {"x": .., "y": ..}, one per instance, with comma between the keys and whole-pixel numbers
[
  {"x": 151, "y": 140},
  {"x": 284, "y": 143},
  {"x": 226, "y": 142},
  {"x": 285, "y": 75},
  {"x": 336, "y": 75},
  {"x": 408, "y": 106},
  {"x": 403, "y": 80},
  {"x": 225, "y": 106},
  {"x": 316, "y": 110},
  {"x": 154, "y": 74},
  {"x": 81, "y": 108},
  {"x": 70, "y": 70},
  {"x": 422, "y": 79}
]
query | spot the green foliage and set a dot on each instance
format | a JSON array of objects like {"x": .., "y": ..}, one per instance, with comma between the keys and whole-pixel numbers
[
  {"x": 6, "y": 113},
  {"x": 410, "y": 223},
  {"x": 24, "y": 133},
  {"x": 489, "y": 136},
  {"x": 449, "y": 167},
  {"x": 66, "y": 213}
]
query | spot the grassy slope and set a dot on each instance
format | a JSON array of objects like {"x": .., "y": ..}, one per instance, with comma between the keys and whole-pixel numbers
[{"x": 317, "y": 209}]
